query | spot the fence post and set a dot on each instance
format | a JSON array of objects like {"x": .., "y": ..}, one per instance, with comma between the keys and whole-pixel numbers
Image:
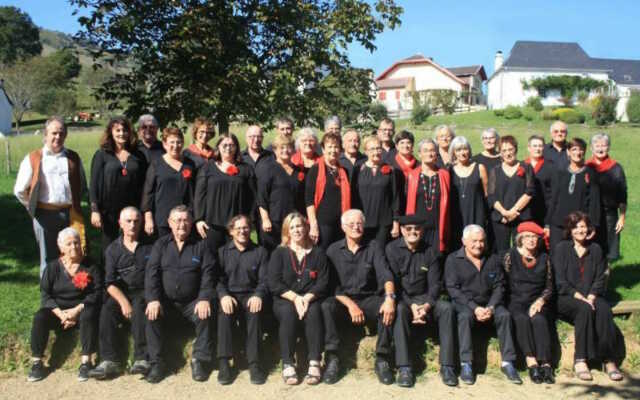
[{"x": 6, "y": 146}]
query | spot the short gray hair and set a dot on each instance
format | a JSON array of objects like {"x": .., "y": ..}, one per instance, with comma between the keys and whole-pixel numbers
[
  {"x": 58, "y": 119},
  {"x": 148, "y": 118},
  {"x": 351, "y": 130},
  {"x": 425, "y": 141},
  {"x": 349, "y": 213},
  {"x": 600, "y": 136},
  {"x": 491, "y": 131},
  {"x": 458, "y": 141},
  {"x": 334, "y": 119},
  {"x": 471, "y": 229},
  {"x": 305, "y": 133},
  {"x": 66, "y": 233},
  {"x": 554, "y": 123},
  {"x": 444, "y": 127},
  {"x": 132, "y": 209},
  {"x": 180, "y": 209}
]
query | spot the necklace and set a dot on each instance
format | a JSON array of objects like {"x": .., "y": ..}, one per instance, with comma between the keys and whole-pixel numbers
[
  {"x": 429, "y": 190},
  {"x": 123, "y": 165},
  {"x": 294, "y": 264},
  {"x": 528, "y": 261}
]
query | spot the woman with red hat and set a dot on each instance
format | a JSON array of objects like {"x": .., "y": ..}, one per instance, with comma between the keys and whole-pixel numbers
[{"x": 530, "y": 287}]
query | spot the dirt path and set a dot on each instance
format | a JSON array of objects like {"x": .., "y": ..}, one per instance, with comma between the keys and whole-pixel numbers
[{"x": 63, "y": 385}]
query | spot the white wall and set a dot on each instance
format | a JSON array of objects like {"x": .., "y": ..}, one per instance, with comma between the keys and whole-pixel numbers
[
  {"x": 5, "y": 114},
  {"x": 426, "y": 77},
  {"x": 392, "y": 104}
]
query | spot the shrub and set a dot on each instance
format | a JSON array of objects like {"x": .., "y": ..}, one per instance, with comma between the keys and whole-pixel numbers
[
  {"x": 569, "y": 115},
  {"x": 512, "y": 112},
  {"x": 420, "y": 113},
  {"x": 605, "y": 111},
  {"x": 378, "y": 111},
  {"x": 633, "y": 107},
  {"x": 529, "y": 114},
  {"x": 535, "y": 103},
  {"x": 547, "y": 115},
  {"x": 444, "y": 99},
  {"x": 499, "y": 112}
]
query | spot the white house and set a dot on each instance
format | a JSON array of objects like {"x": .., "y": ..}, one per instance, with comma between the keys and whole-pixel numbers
[
  {"x": 529, "y": 60},
  {"x": 6, "y": 116}
]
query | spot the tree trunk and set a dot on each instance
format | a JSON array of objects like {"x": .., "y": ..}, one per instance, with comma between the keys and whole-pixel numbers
[{"x": 223, "y": 122}]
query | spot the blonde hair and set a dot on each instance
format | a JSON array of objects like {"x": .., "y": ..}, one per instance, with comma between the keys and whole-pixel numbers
[
  {"x": 281, "y": 140},
  {"x": 286, "y": 238}
]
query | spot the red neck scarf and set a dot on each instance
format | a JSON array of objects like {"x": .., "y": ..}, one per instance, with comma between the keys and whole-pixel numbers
[
  {"x": 205, "y": 153},
  {"x": 602, "y": 166},
  {"x": 443, "y": 217},
  {"x": 297, "y": 160},
  {"x": 539, "y": 164},
  {"x": 405, "y": 166},
  {"x": 321, "y": 182}
]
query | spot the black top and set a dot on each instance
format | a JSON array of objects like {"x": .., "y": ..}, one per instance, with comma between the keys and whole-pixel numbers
[
  {"x": 613, "y": 187},
  {"x": 508, "y": 190},
  {"x": 150, "y": 153},
  {"x": 165, "y": 188},
  {"x": 428, "y": 200},
  {"x": 262, "y": 164},
  {"x": 468, "y": 286},
  {"x": 115, "y": 185},
  {"x": 243, "y": 272},
  {"x": 540, "y": 201},
  {"x": 389, "y": 155},
  {"x": 181, "y": 276},
  {"x": 58, "y": 291},
  {"x": 311, "y": 275},
  {"x": 329, "y": 209},
  {"x": 350, "y": 167},
  {"x": 440, "y": 162},
  {"x": 488, "y": 162},
  {"x": 378, "y": 196},
  {"x": 467, "y": 201},
  {"x": 586, "y": 274},
  {"x": 573, "y": 192},
  {"x": 123, "y": 268},
  {"x": 358, "y": 275},
  {"x": 526, "y": 285},
  {"x": 418, "y": 273},
  {"x": 219, "y": 197},
  {"x": 280, "y": 193},
  {"x": 559, "y": 159},
  {"x": 196, "y": 159}
]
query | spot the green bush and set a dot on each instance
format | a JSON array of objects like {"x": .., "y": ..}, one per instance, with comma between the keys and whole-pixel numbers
[
  {"x": 529, "y": 113},
  {"x": 512, "y": 112},
  {"x": 498, "y": 112},
  {"x": 378, "y": 111},
  {"x": 419, "y": 114},
  {"x": 605, "y": 110},
  {"x": 568, "y": 115},
  {"x": 535, "y": 103},
  {"x": 633, "y": 107},
  {"x": 547, "y": 115}
]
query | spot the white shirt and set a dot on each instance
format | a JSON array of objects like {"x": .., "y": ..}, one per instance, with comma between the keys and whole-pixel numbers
[{"x": 54, "y": 179}]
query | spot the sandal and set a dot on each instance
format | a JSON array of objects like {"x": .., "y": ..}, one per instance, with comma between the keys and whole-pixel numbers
[
  {"x": 614, "y": 374},
  {"x": 289, "y": 375},
  {"x": 314, "y": 374},
  {"x": 582, "y": 374}
]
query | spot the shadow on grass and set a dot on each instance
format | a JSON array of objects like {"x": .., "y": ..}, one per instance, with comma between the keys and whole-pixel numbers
[
  {"x": 16, "y": 240},
  {"x": 629, "y": 388},
  {"x": 625, "y": 276}
]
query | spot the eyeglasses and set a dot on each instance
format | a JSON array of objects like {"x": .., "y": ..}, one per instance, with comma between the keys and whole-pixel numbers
[
  {"x": 559, "y": 131},
  {"x": 355, "y": 225},
  {"x": 228, "y": 146},
  {"x": 412, "y": 228},
  {"x": 242, "y": 228}
]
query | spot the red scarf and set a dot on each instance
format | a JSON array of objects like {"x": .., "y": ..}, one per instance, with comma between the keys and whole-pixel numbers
[
  {"x": 205, "y": 153},
  {"x": 443, "y": 218},
  {"x": 538, "y": 166},
  {"x": 297, "y": 160},
  {"x": 321, "y": 182},
  {"x": 602, "y": 166},
  {"x": 404, "y": 166}
]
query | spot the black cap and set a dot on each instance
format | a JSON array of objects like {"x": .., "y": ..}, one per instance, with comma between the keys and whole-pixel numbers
[{"x": 411, "y": 220}]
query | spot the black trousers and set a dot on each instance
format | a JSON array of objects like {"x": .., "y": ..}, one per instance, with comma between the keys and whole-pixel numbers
[
  {"x": 595, "y": 331},
  {"x": 442, "y": 313},
  {"x": 254, "y": 330},
  {"x": 381, "y": 234},
  {"x": 111, "y": 321},
  {"x": 607, "y": 237},
  {"x": 271, "y": 240},
  {"x": 110, "y": 229},
  {"x": 503, "y": 235},
  {"x": 333, "y": 311},
  {"x": 290, "y": 326},
  {"x": 502, "y": 322},
  {"x": 556, "y": 235},
  {"x": 329, "y": 234},
  {"x": 203, "y": 345},
  {"x": 533, "y": 334},
  {"x": 44, "y": 321}
]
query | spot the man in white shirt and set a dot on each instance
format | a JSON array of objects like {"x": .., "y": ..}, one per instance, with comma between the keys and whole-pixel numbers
[{"x": 50, "y": 184}]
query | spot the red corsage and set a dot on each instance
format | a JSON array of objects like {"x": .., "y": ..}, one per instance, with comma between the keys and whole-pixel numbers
[
  {"x": 586, "y": 178},
  {"x": 81, "y": 280},
  {"x": 313, "y": 274},
  {"x": 186, "y": 173},
  {"x": 386, "y": 170},
  {"x": 124, "y": 172},
  {"x": 232, "y": 170},
  {"x": 520, "y": 171},
  {"x": 300, "y": 176}
]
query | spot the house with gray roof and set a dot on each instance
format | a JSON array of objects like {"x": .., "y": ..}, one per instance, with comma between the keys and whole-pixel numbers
[{"x": 6, "y": 109}]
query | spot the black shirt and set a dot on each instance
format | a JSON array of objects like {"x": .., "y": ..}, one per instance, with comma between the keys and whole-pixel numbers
[
  {"x": 181, "y": 276},
  {"x": 261, "y": 164},
  {"x": 116, "y": 185},
  {"x": 378, "y": 196},
  {"x": 165, "y": 188},
  {"x": 488, "y": 162},
  {"x": 508, "y": 190},
  {"x": 586, "y": 274},
  {"x": 358, "y": 275},
  {"x": 573, "y": 192},
  {"x": 468, "y": 204},
  {"x": 242, "y": 271},
  {"x": 351, "y": 167},
  {"x": 123, "y": 268},
  {"x": 526, "y": 285},
  {"x": 280, "y": 193},
  {"x": 58, "y": 291},
  {"x": 195, "y": 158},
  {"x": 418, "y": 273},
  {"x": 389, "y": 155},
  {"x": 540, "y": 201},
  {"x": 329, "y": 209},
  {"x": 468, "y": 286},
  {"x": 150, "y": 153},
  {"x": 428, "y": 200},
  {"x": 312, "y": 274},
  {"x": 559, "y": 159},
  {"x": 613, "y": 188}
]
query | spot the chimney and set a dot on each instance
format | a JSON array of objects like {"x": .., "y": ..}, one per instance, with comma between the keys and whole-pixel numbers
[{"x": 497, "y": 63}]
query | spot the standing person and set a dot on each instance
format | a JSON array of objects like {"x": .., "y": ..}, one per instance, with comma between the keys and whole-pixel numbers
[
  {"x": 327, "y": 193},
  {"x": 180, "y": 279},
  {"x": 574, "y": 188},
  {"x": 419, "y": 275},
  {"x": 117, "y": 177},
  {"x": 242, "y": 288},
  {"x": 363, "y": 290},
  {"x": 149, "y": 145},
  {"x": 170, "y": 182},
  {"x": 307, "y": 153},
  {"x": 256, "y": 156},
  {"x": 333, "y": 125},
  {"x": 543, "y": 172},
  {"x": 510, "y": 189},
  {"x": 298, "y": 279},
  {"x": 284, "y": 126},
  {"x": 468, "y": 190},
  {"x": 529, "y": 291},
  {"x": 428, "y": 196},
  {"x": 378, "y": 194},
  {"x": 125, "y": 263},
  {"x": 490, "y": 155},
  {"x": 351, "y": 158},
  {"x": 613, "y": 195},
  {"x": 404, "y": 161},
  {"x": 202, "y": 131},
  {"x": 556, "y": 151},
  {"x": 70, "y": 291},
  {"x": 280, "y": 192},
  {"x": 476, "y": 286},
  {"x": 443, "y": 136},
  {"x": 580, "y": 273},
  {"x": 50, "y": 185},
  {"x": 386, "y": 132},
  {"x": 224, "y": 189}
]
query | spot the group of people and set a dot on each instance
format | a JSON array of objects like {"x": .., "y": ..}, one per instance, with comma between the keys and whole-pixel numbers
[{"x": 447, "y": 239}]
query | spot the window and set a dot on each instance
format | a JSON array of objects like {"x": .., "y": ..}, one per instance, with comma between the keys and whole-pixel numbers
[
  {"x": 382, "y": 95},
  {"x": 397, "y": 95}
]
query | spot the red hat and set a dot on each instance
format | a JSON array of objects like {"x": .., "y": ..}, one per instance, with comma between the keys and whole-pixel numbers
[{"x": 530, "y": 226}]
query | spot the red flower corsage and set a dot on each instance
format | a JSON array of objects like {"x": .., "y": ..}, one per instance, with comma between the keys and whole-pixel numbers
[
  {"x": 81, "y": 280},
  {"x": 186, "y": 173},
  {"x": 313, "y": 274},
  {"x": 300, "y": 176},
  {"x": 586, "y": 177},
  {"x": 232, "y": 170},
  {"x": 520, "y": 171},
  {"x": 386, "y": 170}
]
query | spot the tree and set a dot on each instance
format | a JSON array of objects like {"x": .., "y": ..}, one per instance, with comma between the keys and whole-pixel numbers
[
  {"x": 19, "y": 36},
  {"x": 21, "y": 85},
  {"x": 231, "y": 60}
]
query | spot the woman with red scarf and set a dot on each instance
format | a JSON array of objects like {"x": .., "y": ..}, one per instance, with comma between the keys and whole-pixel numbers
[
  {"x": 404, "y": 160},
  {"x": 327, "y": 193},
  {"x": 613, "y": 195},
  {"x": 543, "y": 170},
  {"x": 199, "y": 151},
  {"x": 428, "y": 196},
  {"x": 306, "y": 154}
]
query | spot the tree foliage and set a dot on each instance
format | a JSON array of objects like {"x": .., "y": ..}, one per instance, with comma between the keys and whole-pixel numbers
[
  {"x": 568, "y": 85},
  {"x": 234, "y": 60},
  {"x": 633, "y": 107},
  {"x": 19, "y": 36}
]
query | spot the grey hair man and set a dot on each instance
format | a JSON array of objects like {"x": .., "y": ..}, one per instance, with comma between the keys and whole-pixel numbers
[{"x": 149, "y": 145}]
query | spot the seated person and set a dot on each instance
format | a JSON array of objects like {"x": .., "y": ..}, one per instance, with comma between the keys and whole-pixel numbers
[
  {"x": 363, "y": 290},
  {"x": 180, "y": 277},
  {"x": 476, "y": 286},
  {"x": 419, "y": 277}
]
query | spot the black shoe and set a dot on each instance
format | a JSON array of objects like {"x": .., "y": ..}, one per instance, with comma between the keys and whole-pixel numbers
[
  {"x": 511, "y": 373},
  {"x": 448, "y": 375},
  {"x": 224, "y": 372},
  {"x": 140, "y": 367},
  {"x": 156, "y": 373},
  {"x": 83, "y": 372},
  {"x": 198, "y": 372},
  {"x": 37, "y": 372},
  {"x": 256, "y": 376},
  {"x": 383, "y": 371},
  {"x": 535, "y": 373},
  {"x": 331, "y": 370},
  {"x": 104, "y": 370},
  {"x": 466, "y": 374},
  {"x": 405, "y": 377},
  {"x": 547, "y": 374}
]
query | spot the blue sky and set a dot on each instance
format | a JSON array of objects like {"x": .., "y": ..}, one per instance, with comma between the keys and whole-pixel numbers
[{"x": 462, "y": 32}]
